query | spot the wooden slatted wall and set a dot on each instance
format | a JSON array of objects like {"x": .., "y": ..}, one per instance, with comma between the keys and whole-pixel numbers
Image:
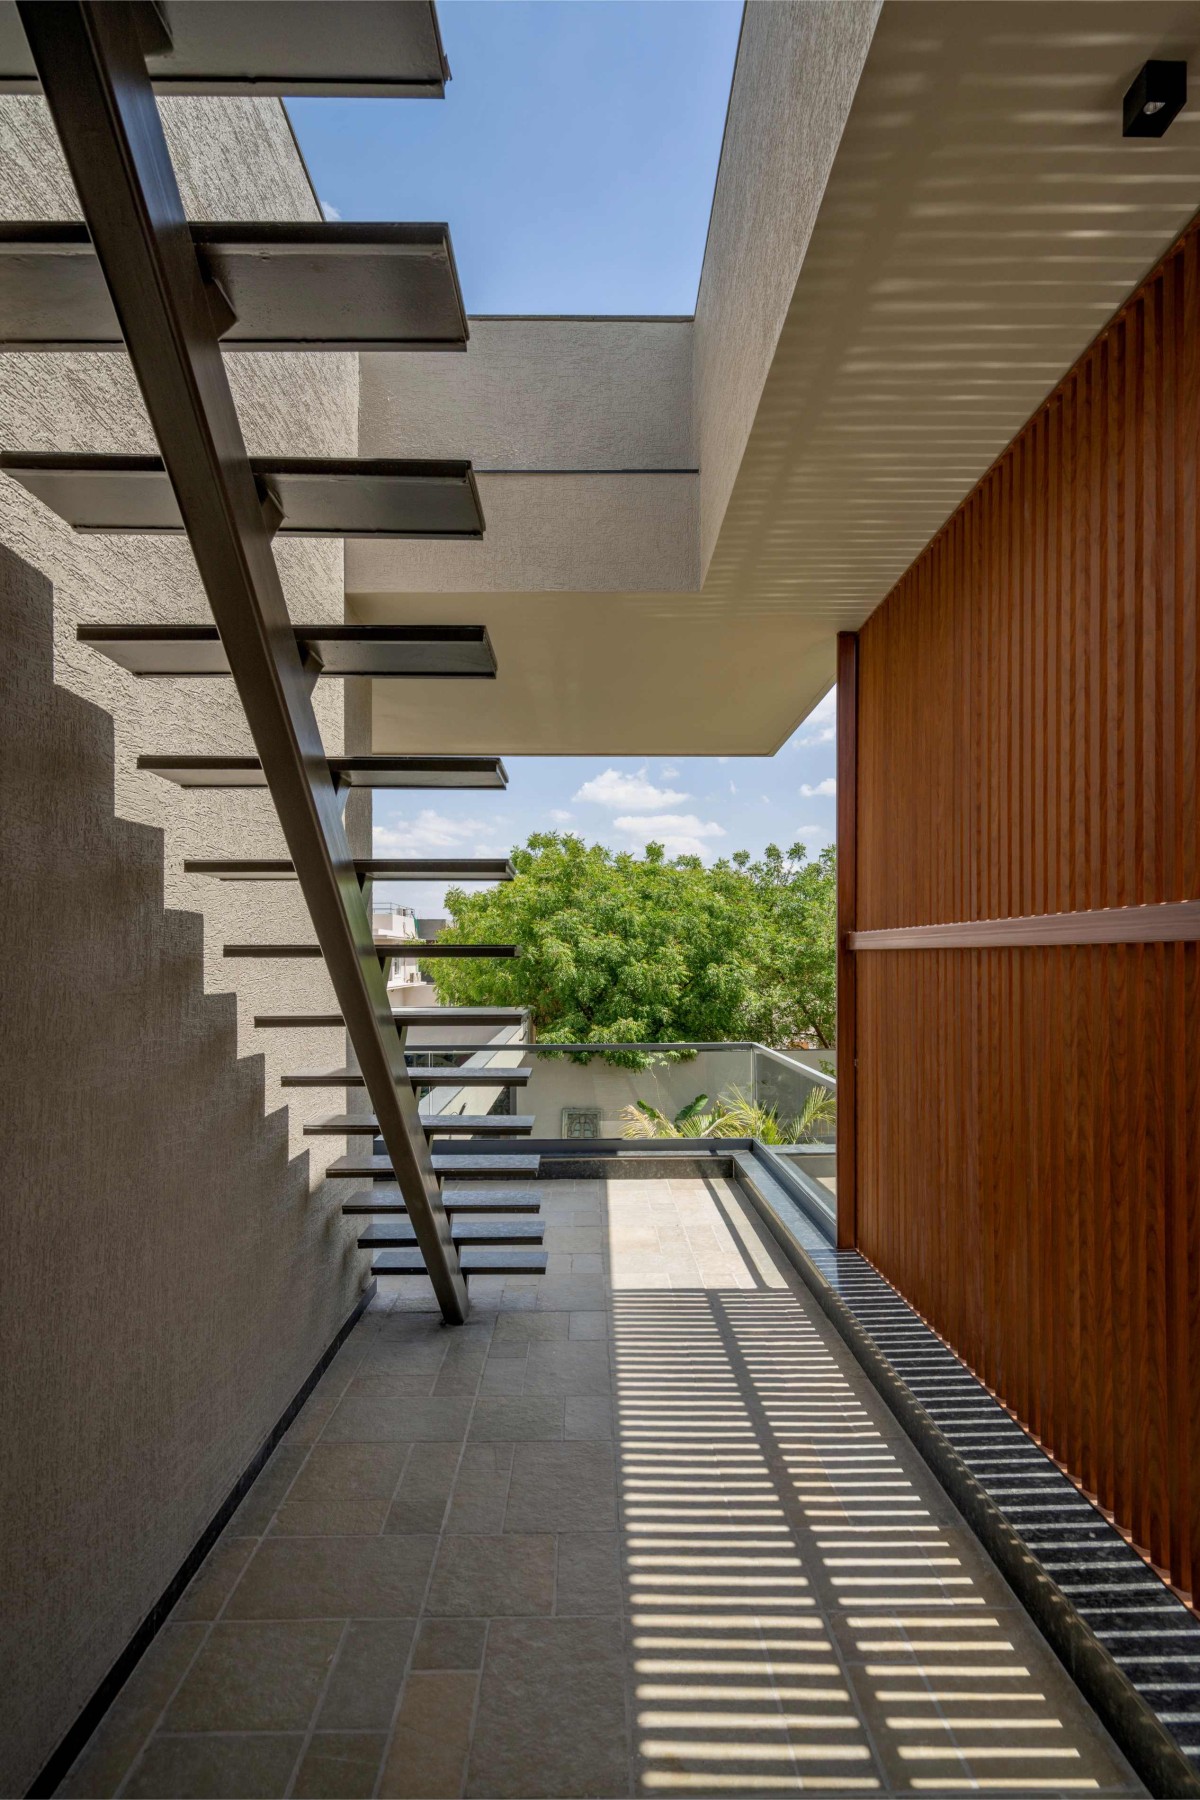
[{"x": 1028, "y": 1120}]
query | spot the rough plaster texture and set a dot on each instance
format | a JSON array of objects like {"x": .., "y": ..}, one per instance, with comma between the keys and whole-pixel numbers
[
  {"x": 797, "y": 71},
  {"x": 548, "y": 533},
  {"x": 170, "y": 1275},
  {"x": 539, "y": 394},
  {"x": 169, "y": 1206}
]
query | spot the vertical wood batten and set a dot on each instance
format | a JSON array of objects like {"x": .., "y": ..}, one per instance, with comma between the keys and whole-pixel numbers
[
  {"x": 1025, "y": 1162},
  {"x": 847, "y": 916}
]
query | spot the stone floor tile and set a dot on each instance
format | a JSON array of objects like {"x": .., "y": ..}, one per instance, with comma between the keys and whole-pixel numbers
[
  {"x": 255, "y": 1678},
  {"x": 796, "y": 1590},
  {"x": 505, "y": 1374},
  {"x": 255, "y": 1512},
  {"x": 493, "y": 1576},
  {"x": 367, "y": 1676},
  {"x": 98, "y": 1773},
  {"x": 504, "y": 1418},
  {"x": 562, "y": 1487},
  {"x": 329, "y": 1518},
  {"x": 340, "y": 1765},
  {"x": 311, "y": 1420},
  {"x": 589, "y": 1573},
  {"x": 428, "y": 1751},
  {"x": 420, "y": 1499},
  {"x": 363, "y": 1418},
  {"x": 213, "y": 1582},
  {"x": 481, "y": 1489},
  {"x": 326, "y": 1578},
  {"x": 519, "y": 1328},
  {"x": 450, "y": 1644},
  {"x": 215, "y": 1768},
  {"x": 588, "y": 1325},
  {"x": 351, "y": 1471},
  {"x": 551, "y": 1718},
  {"x": 588, "y": 1417},
  {"x": 568, "y": 1368}
]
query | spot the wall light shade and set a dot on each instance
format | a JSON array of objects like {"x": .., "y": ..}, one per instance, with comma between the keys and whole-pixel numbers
[{"x": 1158, "y": 92}]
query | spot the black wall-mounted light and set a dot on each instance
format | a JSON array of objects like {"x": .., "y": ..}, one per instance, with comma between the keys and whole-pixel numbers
[{"x": 1158, "y": 93}]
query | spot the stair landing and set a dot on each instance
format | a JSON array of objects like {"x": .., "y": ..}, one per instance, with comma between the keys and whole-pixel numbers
[{"x": 652, "y": 1472}]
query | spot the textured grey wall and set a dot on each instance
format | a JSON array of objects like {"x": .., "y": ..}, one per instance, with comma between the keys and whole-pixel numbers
[
  {"x": 797, "y": 71},
  {"x": 177, "y": 1262},
  {"x": 532, "y": 395}
]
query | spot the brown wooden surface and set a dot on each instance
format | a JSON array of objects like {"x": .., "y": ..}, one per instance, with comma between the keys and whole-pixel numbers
[
  {"x": 1028, "y": 1135},
  {"x": 1171, "y": 922},
  {"x": 847, "y": 913}
]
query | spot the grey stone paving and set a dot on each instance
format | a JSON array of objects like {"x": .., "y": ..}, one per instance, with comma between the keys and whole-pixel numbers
[{"x": 641, "y": 1527}]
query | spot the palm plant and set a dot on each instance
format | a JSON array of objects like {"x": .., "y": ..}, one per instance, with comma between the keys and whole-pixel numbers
[{"x": 735, "y": 1114}]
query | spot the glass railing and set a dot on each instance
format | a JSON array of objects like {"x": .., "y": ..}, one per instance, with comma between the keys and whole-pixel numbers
[{"x": 783, "y": 1098}]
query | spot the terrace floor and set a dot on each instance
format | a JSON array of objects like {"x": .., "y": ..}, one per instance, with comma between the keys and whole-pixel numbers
[{"x": 641, "y": 1527}]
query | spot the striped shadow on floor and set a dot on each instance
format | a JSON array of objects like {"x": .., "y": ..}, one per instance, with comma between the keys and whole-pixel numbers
[{"x": 1130, "y": 1644}]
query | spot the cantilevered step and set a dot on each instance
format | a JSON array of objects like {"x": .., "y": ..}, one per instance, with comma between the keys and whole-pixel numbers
[
  {"x": 470, "y": 1261},
  {"x": 469, "y": 1165},
  {"x": 383, "y": 652},
  {"x": 371, "y": 868},
  {"x": 386, "y": 947},
  {"x": 485, "y": 1077},
  {"x": 407, "y": 1016},
  {"x": 385, "y": 1197},
  {"x": 394, "y": 1234},
  {"x": 347, "y": 771},
  {"x": 263, "y": 47},
  {"x": 302, "y": 286},
  {"x": 434, "y": 1124},
  {"x": 303, "y": 496}
]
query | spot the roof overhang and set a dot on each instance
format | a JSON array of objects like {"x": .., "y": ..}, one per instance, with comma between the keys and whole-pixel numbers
[{"x": 923, "y": 216}]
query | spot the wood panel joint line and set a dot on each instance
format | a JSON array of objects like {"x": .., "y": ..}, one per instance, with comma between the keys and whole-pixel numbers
[{"x": 1171, "y": 922}]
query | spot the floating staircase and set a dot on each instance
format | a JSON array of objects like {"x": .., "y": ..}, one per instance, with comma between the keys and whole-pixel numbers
[
  {"x": 345, "y": 772},
  {"x": 183, "y": 294}
]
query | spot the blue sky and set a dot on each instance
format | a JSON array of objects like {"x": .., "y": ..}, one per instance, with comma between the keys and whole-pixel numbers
[
  {"x": 574, "y": 158},
  {"x": 710, "y": 805}
]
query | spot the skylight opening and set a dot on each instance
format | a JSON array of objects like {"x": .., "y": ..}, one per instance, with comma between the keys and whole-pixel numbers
[{"x": 574, "y": 156}]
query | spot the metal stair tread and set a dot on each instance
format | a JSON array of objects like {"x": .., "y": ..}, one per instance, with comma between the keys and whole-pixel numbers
[
  {"x": 419, "y": 1078},
  {"x": 407, "y": 1017},
  {"x": 387, "y": 1198},
  {"x": 313, "y": 496},
  {"x": 290, "y": 286},
  {"x": 471, "y": 1261},
  {"x": 380, "y": 651},
  {"x": 273, "y": 49},
  {"x": 386, "y": 947},
  {"x": 367, "y": 868},
  {"x": 398, "y": 1232},
  {"x": 377, "y": 771},
  {"x": 433, "y": 1124},
  {"x": 483, "y": 1165}
]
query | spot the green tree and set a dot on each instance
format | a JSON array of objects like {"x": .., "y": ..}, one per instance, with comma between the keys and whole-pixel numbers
[
  {"x": 793, "y": 950},
  {"x": 625, "y": 949}
]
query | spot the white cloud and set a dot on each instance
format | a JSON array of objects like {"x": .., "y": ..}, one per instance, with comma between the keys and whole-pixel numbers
[
  {"x": 559, "y": 816},
  {"x": 733, "y": 787},
  {"x": 820, "y": 727},
  {"x": 681, "y": 834},
  {"x": 429, "y": 831},
  {"x": 668, "y": 773},
  {"x": 632, "y": 791},
  {"x": 828, "y": 786},
  {"x": 328, "y": 211}
]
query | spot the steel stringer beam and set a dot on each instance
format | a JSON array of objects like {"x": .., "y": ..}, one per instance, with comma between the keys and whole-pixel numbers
[{"x": 89, "y": 56}]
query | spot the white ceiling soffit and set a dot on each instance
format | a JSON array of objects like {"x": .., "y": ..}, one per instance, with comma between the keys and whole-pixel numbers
[{"x": 982, "y": 220}]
